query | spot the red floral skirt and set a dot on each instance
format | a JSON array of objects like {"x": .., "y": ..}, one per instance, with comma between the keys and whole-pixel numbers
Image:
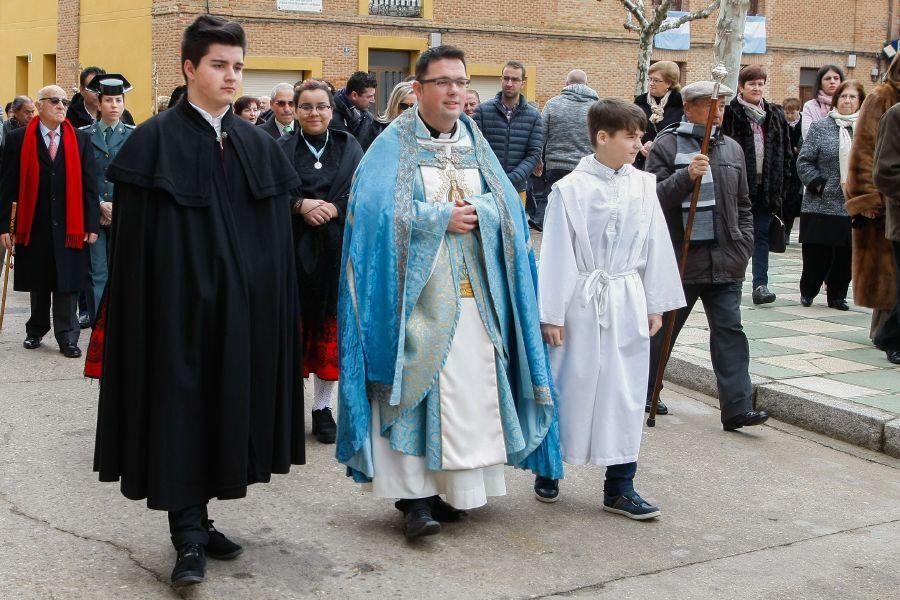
[{"x": 320, "y": 352}]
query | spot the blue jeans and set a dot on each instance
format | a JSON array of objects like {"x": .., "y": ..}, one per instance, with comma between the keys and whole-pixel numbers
[
  {"x": 761, "y": 249},
  {"x": 619, "y": 479}
]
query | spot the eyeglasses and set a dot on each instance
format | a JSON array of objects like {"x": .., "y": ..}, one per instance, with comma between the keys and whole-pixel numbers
[
  {"x": 443, "y": 83},
  {"x": 283, "y": 103},
  {"x": 405, "y": 105},
  {"x": 656, "y": 80},
  {"x": 308, "y": 108},
  {"x": 54, "y": 100},
  {"x": 513, "y": 79}
]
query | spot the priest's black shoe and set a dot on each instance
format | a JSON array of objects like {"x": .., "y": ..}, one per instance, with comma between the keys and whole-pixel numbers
[
  {"x": 893, "y": 356},
  {"x": 546, "y": 489},
  {"x": 661, "y": 408},
  {"x": 839, "y": 304},
  {"x": 31, "y": 343},
  {"x": 190, "y": 566},
  {"x": 417, "y": 519},
  {"x": 444, "y": 512},
  {"x": 70, "y": 351},
  {"x": 220, "y": 547},
  {"x": 323, "y": 426},
  {"x": 747, "y": 419}
]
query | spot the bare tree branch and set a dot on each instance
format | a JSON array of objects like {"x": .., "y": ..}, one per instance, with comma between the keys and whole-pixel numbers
[
  {"x": 636, "y": 8},
  {"x": 693, "y": 16}
]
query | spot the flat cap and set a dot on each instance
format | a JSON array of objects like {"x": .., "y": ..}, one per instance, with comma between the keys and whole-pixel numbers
[{"x": 704, "y": 89}]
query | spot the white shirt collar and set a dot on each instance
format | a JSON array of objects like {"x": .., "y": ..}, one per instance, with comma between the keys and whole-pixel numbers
[
  {"x": 45, "y": 129},
  {"x": 216, "y": 122}
]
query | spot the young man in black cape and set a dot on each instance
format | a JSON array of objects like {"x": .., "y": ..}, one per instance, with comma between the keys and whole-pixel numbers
[{"x": 200, "y": 395}]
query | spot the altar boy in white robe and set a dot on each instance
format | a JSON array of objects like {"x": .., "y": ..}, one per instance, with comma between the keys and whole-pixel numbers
[{"x": 607, "y": 273}]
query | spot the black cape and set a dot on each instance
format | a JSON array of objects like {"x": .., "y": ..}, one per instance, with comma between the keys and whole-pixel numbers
[
  {"x": 318, "y": 249},
  {"x": 201, "y": 393}
]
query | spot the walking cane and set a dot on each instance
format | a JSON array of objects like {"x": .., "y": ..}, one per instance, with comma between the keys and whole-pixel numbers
[
  {"x": 719, "y": 74},
  {"x": 7, "y": 265}
]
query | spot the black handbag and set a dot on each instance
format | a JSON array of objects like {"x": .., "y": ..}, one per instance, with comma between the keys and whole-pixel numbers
[{"x": 777, "y": 241}]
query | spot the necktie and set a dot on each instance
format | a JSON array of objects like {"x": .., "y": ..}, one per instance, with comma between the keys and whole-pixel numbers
[
  {"x": 52, "y": 147},
  {"x": 107, "y": 134},
  {"x": 286, "y": 130}
]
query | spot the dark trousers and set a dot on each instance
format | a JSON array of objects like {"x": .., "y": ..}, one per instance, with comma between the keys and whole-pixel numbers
[
  {"x": 619, "y": 479},
  {"x": 728, "y": 346},
  {"x": 761, "y": 249},
  {"x": 536, "y": 199},
  {"x": 888, "y": 337},
  {"x": 826, "y": 264},
  {"x": 65, "y": 316},
  {"x": 189, "y": 524}
]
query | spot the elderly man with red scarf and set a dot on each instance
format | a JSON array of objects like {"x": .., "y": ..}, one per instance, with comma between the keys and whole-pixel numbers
[{"x": 48, "y": 168}]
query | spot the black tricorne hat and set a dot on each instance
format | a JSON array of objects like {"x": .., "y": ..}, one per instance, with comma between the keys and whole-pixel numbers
[{"x": 111, "y": 84}]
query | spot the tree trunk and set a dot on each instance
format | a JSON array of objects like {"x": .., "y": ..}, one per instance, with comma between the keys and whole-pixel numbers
[
  {"x": 730, "y": 38},
  {"x": 644, "y": 54}
]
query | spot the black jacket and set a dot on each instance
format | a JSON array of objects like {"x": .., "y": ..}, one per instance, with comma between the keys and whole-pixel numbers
[
  {"x": 793, "y": 187},
  {"x": 273, "y": 127},
  {"x": 518, "y": 142},
  {"x": 46, "y": 264},
  {"x": 361, "y": 125},
  {"x": 776, "y": 158},
  {"x": 672, "y": 113}
]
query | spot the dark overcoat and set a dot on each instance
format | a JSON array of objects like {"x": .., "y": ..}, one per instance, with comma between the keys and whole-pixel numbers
[{"x": 46, "y": 264}]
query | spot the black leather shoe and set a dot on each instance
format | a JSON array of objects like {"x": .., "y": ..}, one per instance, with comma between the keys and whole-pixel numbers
[
  {"x": 84, "y": 321},
  {"x": 441, "y": 511},
  {"x": 838, "y": 304},
  {"x": 31, "y": 343},
  {"x": 661, "y": 408},
  {"x": 546, "y": 489},
  {"x": 323, "y": 426},
  {"x": 417, "y": 519},
  {"x": 190, "y": 566},
  {"x": 747, "y": 419},
  {"x": 762, "y": 295},
  {"x": 534, "y": 225},
  {"x": 70, "y": 351},
  {"x": 805, "y": 301},
  {"x": 893, "y": 356},
  {"x": 220, "y": 547}
]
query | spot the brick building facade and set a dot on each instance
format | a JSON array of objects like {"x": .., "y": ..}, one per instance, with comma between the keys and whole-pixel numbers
[{"x": 550, "y": 37}]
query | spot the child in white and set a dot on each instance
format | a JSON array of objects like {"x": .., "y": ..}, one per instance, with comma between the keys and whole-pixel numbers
[{"x": 607, "y": 273}]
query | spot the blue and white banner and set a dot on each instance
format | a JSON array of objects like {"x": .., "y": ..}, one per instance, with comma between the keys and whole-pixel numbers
[
  {"x": 674, "y": 39},
  {"x": 755, "y": 35}
]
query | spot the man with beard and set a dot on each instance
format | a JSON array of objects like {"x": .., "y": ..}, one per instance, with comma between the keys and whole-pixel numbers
[{"x": 200, "y": 393}]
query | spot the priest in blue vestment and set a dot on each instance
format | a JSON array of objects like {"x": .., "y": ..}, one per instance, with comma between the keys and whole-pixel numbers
[{"x": 444, "y": 376}]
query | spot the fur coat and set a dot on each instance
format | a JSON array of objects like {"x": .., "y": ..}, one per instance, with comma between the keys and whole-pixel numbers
[{"x": 873, "y": 264}]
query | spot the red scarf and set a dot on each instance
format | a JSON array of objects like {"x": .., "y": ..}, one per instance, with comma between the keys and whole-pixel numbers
[{"x": 30, "y": 180}]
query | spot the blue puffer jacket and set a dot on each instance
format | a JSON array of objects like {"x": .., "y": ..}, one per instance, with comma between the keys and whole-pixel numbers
[{"x": 517, "y": 142}]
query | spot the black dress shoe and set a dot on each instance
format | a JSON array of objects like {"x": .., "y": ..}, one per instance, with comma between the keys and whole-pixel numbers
[
  {"x": 546, "y": 489},
  {"x": 31, "y": 343},
  {"x": 417, "y": 519},
  {"x": 220, "y": 547},
  {"x": 84, "y": 321},
  {"x": 661, "y": 408},
  {"x": 535, "y": 226},
  {"x": 747, "y": 419},
  {"x": 806, "y": 301},
  {"x": 70, "y": 351},
  {"x": 323, "y": 426},
  {"x": 893, "y": 356},
  {"x": 840, "y": 304},
  {"x": 190, "y": 566},
  {"x": 441, "y": 511}
]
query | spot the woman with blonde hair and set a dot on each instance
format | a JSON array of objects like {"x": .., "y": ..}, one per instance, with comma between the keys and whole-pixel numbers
[
  {"x": 402, "y": 98},
  {"x": 662, "y": 103}
]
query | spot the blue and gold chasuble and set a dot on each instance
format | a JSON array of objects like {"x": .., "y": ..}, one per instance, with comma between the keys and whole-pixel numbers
[{"x": 402, "y": 278}]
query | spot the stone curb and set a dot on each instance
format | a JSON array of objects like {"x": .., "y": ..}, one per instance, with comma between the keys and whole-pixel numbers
[{"x": 864, "y": 426}]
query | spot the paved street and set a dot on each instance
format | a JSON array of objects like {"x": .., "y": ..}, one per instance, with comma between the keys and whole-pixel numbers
[{"x": 773, "y": 512}]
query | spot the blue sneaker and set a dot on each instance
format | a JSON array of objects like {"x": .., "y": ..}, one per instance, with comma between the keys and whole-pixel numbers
[{"x": 631, "y": 505}]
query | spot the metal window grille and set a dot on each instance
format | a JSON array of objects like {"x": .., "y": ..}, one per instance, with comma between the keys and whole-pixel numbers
[{"x": 396, "y": 8}]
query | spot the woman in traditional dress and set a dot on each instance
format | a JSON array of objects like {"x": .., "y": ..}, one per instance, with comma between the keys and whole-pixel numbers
[
  {"x": 662, "y": 103},
  {"x": 824, "y": 222},
  {"x": 325, "y": 161}
]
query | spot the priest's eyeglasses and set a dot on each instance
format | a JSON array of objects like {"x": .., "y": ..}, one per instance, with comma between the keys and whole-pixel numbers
[
  {"x": 54, "y": 100},
  {"x": 443, "y": 83},
  {"x": 320, "y": 108}
]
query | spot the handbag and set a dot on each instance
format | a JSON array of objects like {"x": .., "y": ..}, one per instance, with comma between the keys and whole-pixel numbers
[{"x": 777, "y": 241}]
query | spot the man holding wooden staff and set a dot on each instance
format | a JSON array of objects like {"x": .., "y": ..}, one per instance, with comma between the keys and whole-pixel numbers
[{"x": 721, "y": 243}]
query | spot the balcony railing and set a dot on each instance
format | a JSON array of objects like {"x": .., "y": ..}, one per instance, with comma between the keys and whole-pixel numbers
[{"x": 395, "y": 8}]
